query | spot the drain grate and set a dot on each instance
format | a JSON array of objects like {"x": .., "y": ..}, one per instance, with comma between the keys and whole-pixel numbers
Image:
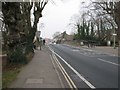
[{"x": 30, "y": 81}]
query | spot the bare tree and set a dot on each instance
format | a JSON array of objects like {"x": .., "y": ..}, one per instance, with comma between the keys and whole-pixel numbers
[
  {"x": 56, "y": 34},
  {"x": 20, "y": 33},
  {"x": 113, "y": 9}
]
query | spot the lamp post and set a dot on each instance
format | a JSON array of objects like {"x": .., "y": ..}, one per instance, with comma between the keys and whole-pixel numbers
[{"x": 114, "y": 40}]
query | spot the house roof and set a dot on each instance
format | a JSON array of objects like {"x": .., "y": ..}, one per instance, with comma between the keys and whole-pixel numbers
[{"x": 65, "y": 36}]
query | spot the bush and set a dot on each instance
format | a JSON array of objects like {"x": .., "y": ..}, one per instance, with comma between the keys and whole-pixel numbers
[
  {"x": 17, "y": 56},
  {"x": 101, "y": 43}
]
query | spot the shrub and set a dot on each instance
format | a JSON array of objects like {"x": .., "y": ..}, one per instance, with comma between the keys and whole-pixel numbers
[{"x": 17, "y": 56}]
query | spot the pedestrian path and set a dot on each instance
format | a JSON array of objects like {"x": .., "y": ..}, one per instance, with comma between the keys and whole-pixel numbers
[
  {"x": 39, "y": 73},
  {"x": 105, "y": 49},
  {"x": 101, "y": 49}
]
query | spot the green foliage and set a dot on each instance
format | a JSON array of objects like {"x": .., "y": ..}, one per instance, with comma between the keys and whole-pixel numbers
[
  {"x": 92, "y": 29},
  {"x": 19, "y": 34},
  {"x": 86, "y": 32},
  {"x": 8, "y": 77},
  {"x": 82, "y": 31},
  {"x": 10, "y": 73},
  {"x": 17, "y": 56}
]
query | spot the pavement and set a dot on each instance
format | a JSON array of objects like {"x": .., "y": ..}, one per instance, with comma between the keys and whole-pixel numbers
[
  {"x": 106, "y": 49},
  {"x": 39, "y": 73}
]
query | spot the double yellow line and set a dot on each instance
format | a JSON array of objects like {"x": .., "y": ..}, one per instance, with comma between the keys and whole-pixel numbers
[{"x": 65, "y": 74}]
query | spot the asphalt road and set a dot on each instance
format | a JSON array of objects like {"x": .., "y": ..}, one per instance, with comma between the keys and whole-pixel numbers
[{"x": 100, "y": 69}]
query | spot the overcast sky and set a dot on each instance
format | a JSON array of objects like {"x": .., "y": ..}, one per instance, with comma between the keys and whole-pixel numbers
[{"x": 57, "y": 17}]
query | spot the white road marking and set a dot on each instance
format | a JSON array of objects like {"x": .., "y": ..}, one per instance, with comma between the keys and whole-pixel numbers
[
  {"x": 65, "y": 74},
  {"x": 79, "y": 75},
  {"x": 107, "y": 61},
  {"x": 67, "y": 77}
]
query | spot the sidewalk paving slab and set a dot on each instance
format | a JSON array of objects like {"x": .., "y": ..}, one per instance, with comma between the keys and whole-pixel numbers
[{"x": 39, "y": 73}]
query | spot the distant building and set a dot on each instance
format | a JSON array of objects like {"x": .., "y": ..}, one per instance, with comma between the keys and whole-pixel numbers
[{"x": 63, "y": 37}]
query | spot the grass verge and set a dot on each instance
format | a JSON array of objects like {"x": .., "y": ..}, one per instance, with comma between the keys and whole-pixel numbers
[{"x": 11, "y": 71}]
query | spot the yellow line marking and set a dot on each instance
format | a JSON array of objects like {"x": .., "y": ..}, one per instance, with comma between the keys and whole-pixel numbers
[
  {"x": 79, "y": 75},
  {"x": 67, "y": 77},
  {"x": 57, "y": 72}
]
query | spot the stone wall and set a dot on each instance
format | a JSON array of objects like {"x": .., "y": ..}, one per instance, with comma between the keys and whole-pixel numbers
[{"x": 3, "y": 59}]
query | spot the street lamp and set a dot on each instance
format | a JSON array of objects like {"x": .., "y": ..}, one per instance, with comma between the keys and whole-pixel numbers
[{"x": 114, "y": 40}]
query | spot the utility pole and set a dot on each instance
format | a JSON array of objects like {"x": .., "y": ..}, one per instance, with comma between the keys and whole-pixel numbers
[{"x": 114, "y": 34}]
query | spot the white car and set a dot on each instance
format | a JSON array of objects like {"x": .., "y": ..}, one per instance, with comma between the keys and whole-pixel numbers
[{"x": 54, "y": 43}]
